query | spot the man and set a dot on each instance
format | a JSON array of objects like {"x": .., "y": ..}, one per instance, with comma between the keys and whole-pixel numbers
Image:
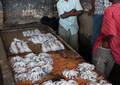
[
  {"x": 107, "y": 47},
  {"x": 98, "y": 7},
  {"x": 68, "y": 29}
]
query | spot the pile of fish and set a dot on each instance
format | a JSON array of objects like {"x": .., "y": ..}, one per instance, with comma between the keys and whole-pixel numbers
[
  {"x": 29, "y": 33},
  {"x": 52, "y": 45},
  {"x": 31, "y": 67},
  {"x": 19, "y": 46},
  {"x": 101, "y": 82},
  {"x": 61, "y": 82},
  {"x": 41, "y": 38},
  {"x": 48, "y": 41},
  {"x": 84, "y": 71}
]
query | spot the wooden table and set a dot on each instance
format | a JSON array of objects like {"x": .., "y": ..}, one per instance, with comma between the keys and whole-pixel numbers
[{"x": 67, "y": 58}]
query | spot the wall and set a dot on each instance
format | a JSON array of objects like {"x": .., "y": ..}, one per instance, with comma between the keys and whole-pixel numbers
[
  {"x": 1, "y": 14},
  {"x": 26, "y": 11}
]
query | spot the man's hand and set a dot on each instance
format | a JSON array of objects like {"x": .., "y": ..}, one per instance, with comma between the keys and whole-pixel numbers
[
  {"x": 105, "y": 45},
  {"x": 91, "y": 11},
  {"x": 67, "y": 14},
  {"x": 76, "y": 12},
  {"x": 105, "y": 40},
  {"x": 72, "y": 12}
]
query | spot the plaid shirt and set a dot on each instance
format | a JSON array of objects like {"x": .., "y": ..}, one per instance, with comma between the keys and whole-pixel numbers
[{"x": 101, "y": 5}]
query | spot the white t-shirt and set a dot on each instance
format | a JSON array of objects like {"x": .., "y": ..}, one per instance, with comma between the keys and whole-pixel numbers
[{"x": 69, "y": 23}]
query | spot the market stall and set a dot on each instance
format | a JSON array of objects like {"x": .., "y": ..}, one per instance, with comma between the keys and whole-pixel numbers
[
  {"x": 33, "y": 54},
  {"x": 36, "y": 55}
]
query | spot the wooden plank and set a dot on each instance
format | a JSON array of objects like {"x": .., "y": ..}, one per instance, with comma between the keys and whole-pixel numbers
[{"x": 5, "y": 71}]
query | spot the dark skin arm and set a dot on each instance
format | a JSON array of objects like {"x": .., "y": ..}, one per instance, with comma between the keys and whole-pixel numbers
[
  {"x": 71, "y": 13},
  {"x": 105, "y": 40},
  {"x": 91, "y": 11}
]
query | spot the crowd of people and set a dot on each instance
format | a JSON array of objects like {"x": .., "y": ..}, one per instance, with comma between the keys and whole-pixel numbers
[{"x": 105, "y": 40}]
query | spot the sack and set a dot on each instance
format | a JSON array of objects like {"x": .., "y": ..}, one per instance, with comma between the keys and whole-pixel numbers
[{"x": 52, "y": 22}]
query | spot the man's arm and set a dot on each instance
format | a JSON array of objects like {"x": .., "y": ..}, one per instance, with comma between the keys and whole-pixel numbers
[
  {"x": 108, "y": 27},
  {"x": 67, "y": 14},
  {"x": 105, "y": 40},
  {"x": 71, "y": 13},
  {"x": 91, "y": 11},
  {"x": 76, "y": 13},
  {"x": 93, "y": 3}
]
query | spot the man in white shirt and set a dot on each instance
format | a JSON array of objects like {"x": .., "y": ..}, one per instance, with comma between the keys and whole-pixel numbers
[{"x": 68, "y": 28}]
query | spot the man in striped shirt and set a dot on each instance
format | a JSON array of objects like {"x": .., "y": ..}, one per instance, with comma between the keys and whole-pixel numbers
[{"x": 107, "y": 46}]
